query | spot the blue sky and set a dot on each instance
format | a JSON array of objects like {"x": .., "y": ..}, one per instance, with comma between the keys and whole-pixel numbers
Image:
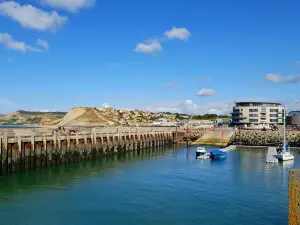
[{"x": 191, "y": 56}]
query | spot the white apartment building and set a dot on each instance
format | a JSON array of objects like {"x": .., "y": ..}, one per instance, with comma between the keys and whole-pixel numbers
[{"x": 257, "y": 113}]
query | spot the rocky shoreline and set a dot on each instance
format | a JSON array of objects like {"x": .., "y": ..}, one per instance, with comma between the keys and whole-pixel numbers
[{"x": 265, "y": 138}]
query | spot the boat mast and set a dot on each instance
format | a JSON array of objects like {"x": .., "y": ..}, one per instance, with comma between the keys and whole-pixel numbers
[{"x": 284, "y": 135}]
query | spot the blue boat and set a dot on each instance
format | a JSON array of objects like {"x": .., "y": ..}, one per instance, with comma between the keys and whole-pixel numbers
[{"x": 218, "y": 154}]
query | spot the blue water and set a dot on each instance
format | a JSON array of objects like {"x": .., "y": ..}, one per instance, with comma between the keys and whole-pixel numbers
[{"x": 161, "y": 187}]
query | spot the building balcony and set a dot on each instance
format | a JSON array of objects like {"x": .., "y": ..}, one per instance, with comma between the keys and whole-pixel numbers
[
  {"x": 239, "y": 117},
  {"x": 236, "y": 113},
  {"x": 263, "y": 111}
]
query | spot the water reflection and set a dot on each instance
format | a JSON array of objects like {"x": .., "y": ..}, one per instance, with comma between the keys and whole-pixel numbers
[{"x": 61, "y": 177}]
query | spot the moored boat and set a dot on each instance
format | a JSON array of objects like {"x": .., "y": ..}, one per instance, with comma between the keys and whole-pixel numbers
[
  {"x": 201, "y": 153},
  {"x": 218, "y": 154},
  {"x": 284, "y": 153}
]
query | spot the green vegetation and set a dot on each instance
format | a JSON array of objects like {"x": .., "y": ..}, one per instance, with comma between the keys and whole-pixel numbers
[
  {"x": 33, "y": 120},
  {"x": 12, "y": 121},
  {"x": 22, "y": 117}
]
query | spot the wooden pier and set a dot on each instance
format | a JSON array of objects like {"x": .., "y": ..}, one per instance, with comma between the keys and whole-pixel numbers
[
  {"x": 25, "y": 149},
  {"x": 272, "y": 155}
]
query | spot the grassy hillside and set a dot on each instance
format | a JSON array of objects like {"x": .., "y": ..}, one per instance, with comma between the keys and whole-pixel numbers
[{"x": 22, "y": 117}]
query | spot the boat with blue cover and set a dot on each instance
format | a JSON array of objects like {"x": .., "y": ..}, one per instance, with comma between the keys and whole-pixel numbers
[{"x": 218, "y": 154}]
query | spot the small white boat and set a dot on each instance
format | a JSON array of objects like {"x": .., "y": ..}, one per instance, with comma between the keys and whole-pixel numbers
[
  {"x": 201, "y": 153},
  {"x": 285, "y": 156},
  {"x": 284, "y": 153}
]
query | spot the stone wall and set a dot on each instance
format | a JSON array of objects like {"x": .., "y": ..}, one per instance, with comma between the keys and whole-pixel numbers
[
  {"x": 294, "y": 197},
  {"x": 265, "y": 138},
  {"x": 199, "y": 132}
]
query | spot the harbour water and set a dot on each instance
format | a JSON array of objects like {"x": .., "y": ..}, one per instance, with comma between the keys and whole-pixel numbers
[{"x": 158, "y": 187}]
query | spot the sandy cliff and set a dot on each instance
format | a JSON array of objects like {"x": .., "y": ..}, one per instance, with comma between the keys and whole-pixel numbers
[{"x": 83, "y": 116}]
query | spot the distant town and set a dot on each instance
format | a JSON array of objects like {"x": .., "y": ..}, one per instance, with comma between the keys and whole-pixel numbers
[
  {"x": 257, "y": 115},
  {"x": 109, "y": 116}
]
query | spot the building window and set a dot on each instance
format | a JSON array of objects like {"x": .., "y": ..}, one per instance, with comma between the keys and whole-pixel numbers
[
  {"x": 273, "y": 115},
  {"x": 257, "y": 104},
  {"x": 274, "y": 120},
  {"x": 273, "y": 110},
  {"x": 253, "y": 120},
  {"x": 253, "y": 110},
  {"x": 253, "y": 115}
]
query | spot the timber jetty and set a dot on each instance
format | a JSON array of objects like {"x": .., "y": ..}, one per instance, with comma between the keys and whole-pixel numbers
[{"x": 33, "y": 148}]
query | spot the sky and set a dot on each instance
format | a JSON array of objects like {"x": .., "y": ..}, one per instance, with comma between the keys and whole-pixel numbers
[{"x": 187, "y": 56}]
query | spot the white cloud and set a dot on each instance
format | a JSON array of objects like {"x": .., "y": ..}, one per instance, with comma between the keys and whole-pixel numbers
[
  {"x": 206, "y": 92},
  {"x": 10, "y": 43},
  {"x": 104, "y": 106},
  {"x": 188, "y": 107},
  {"x": 148, "y": 47},
  {"x": 154, "y": 45},
  {"x": 42, "y": 43},
  {"x": 276, "y": 78},
  {"x": 33, "y": 18},
  {"x": 178, "y": 33},
  {"x": 69, "y": 5}
]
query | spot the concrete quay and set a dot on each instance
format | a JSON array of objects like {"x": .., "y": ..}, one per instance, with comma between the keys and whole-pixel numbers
[{"x": 32, "y": 148}]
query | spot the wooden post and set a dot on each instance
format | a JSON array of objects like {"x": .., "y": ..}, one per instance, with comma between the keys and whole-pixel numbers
[
  {"x": 95, "y": 136},
  {"x": 32, "y": 143},
  {"x": 59, "y": 141},
  {"x": 68, "y": 142},
  {"x": 45, "y": 142},
  {"x": 77, "y": 141},
  {"x": 5, "y": 142},
  {"x": 54, "y": 141},
  {"x": 20, "y": 145},
  {"x": 92, "y": 135},
  {"x": 85, "y": 140},
  {"x": 108, "y": 141}
]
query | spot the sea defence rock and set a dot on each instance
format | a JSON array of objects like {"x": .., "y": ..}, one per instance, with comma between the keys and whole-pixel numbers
[
  {"x": 264, "y": 138},
  {"x": 218, "y": 137}
]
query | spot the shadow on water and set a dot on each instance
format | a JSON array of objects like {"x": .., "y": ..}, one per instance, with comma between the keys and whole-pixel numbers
[{"x": 61, "y": 176}]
